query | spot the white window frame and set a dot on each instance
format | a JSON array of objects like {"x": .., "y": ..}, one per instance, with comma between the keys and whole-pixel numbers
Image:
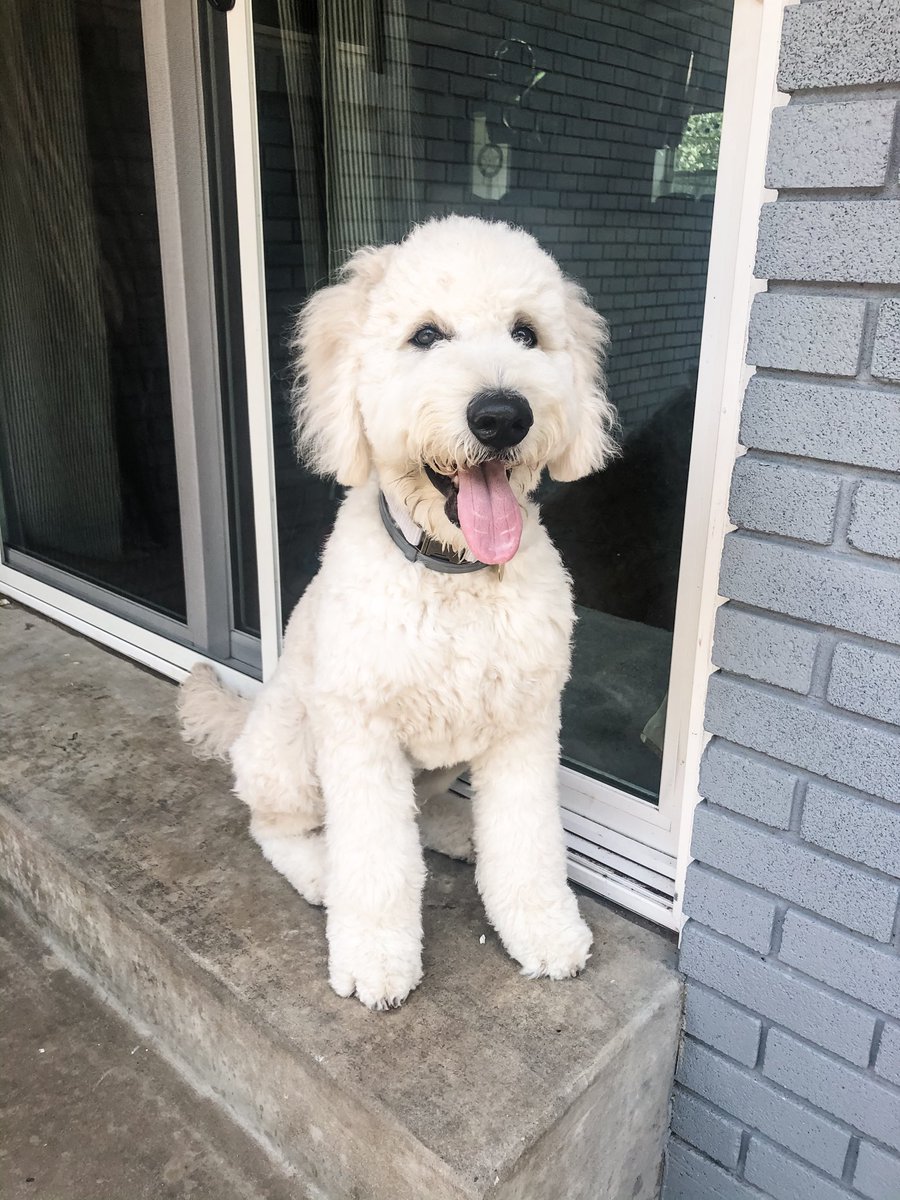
[{"x": 633, "y": 852}]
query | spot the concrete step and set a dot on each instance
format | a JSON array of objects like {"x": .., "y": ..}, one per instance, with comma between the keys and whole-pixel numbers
[
  {"x": 91, "y": 1111},
  {"x": 133, "y": 857}
]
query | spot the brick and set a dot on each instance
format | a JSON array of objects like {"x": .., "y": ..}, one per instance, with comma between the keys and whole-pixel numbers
[
  {"x": 843, "y": 145},
  {"x": 800, "y": 332},
  {"x": 778, "y": 993},
  {"x": 850, "y": 241},
  {"x": 843, "y": 961},
  {"x": 728, "y": 907},
  {"x": 867, "y": 681},
  {"x": 887, "y": 1064},
  {"x": 710, "y": 1018},
  {"x": 690, "y": 1175},
  {"x": 747, "y": 1096},
  {"x": 875, "y": 518},
  {"x": 837, "y": 424},
  {"x": 844, "y": 749},
  {"x": 775, "y": 497},
  {"x": 851, "y": 1095},
  {"x": 793, "y": 870},
  {"x": 732, "y": 778},
  {"x": 886, "y": 350},
  {"x": 764, "y": 648},
  {"x": 781, "y": 1177},
  {"x": 838, "y": 45},
  {"x": 835, "y": 590},
  {"x": 702, "y": 1126},
  {"x": 877, "y": 1173},
  {"x": 854, "y": 827}
]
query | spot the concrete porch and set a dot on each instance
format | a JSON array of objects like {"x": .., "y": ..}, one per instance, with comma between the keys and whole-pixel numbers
[{"x": 131, "y": 859}]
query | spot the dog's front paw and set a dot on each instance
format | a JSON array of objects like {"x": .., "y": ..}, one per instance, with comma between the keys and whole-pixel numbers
[
  {"x": 380, "y": 967},
  {"x": 554, "y": 942},
  {"x": 559, "y": 956}
]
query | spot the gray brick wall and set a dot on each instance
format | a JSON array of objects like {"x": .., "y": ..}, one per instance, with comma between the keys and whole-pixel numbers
[{"x": 788, "y": 1083}]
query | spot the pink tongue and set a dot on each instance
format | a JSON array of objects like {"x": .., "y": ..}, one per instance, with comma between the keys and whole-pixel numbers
[{"x": 488, "y": 513}]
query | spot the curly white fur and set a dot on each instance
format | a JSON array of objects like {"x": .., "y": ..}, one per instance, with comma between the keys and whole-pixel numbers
[{"x": 390, "y": 670}]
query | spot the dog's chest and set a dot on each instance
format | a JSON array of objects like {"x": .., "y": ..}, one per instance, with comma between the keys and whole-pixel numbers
[
  {"x": 454, "y": 663},
  {"x": 475, "y": 670}
]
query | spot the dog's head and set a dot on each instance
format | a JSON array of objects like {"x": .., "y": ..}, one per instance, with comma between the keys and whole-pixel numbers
[{"x": 456, "y": 366}]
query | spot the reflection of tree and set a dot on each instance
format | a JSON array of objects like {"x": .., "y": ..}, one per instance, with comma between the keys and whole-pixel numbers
[{"x": 698, "y": 149}]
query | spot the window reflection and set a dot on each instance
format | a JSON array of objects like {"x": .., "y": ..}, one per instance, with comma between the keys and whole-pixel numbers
[
  {"x": 87, "y": 457},
  {"x": 595, "y": 127}
]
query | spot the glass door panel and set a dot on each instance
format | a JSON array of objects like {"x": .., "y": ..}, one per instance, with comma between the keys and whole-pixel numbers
[
  {"x": 595, "y": 127},
  {"x": 88, "y": 456},
  {"x": 290, "y": 116}
]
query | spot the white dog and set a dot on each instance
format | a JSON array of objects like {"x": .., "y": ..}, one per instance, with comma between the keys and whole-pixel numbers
[{"x": 436, "y": 380}]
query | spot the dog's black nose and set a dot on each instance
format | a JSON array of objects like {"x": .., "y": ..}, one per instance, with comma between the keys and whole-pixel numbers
[{"x": 499, "y": 419}]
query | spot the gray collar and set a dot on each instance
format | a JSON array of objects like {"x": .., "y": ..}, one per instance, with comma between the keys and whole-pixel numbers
[{"x": 427, "y": 550}]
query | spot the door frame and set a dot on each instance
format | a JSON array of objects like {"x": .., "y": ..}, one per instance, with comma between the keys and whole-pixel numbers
[{"x": 626, "y": 849}]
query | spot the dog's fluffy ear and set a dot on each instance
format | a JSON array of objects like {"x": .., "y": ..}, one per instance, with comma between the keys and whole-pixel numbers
[
  {"x": 590, "y": 443},
  {"x": 329, "y": 426}
]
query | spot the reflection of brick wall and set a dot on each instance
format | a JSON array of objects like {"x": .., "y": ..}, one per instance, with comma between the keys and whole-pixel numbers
[
  {"x": 124, "y": 199},
  {"x": 306, "y": 505},
  {"x": 614, "y": 92}
]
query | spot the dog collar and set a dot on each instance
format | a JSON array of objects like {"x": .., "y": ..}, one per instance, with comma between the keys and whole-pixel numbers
[{"x": 425, "y": 549}]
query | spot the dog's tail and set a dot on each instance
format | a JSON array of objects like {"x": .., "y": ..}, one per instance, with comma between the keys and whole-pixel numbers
[{"x": 211, "y": 716}]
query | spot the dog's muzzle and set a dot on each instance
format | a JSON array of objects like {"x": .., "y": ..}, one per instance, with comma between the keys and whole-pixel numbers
[{"x": 499, "y": 418}]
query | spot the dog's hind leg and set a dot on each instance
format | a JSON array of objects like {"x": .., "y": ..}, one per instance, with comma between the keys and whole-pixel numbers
[
  {"x": 293, "y": 850},
  {"x": 445, "y": 818},
  {"x": 274, "y": 776}
]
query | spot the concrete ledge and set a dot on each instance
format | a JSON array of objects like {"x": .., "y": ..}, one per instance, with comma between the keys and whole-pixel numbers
[
  {"x": 128, "y": 1128},
  {"x": 135, "y": 858}
]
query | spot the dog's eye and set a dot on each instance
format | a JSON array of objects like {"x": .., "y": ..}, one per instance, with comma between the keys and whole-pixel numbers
[
  {"x": 425, "y": 337},
  {"x": 524, "y": 335}
]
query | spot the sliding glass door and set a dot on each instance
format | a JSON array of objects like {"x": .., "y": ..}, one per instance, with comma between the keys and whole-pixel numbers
[
  {"x": 597, "y": 128},
  {"x": 113, "y": 405},
  {"x": 177, "y": 177},
  {"x": 89, "y": 473}
]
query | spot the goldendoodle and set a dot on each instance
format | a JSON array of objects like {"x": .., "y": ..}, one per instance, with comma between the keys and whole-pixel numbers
[{"x": 436, "y": 381}]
